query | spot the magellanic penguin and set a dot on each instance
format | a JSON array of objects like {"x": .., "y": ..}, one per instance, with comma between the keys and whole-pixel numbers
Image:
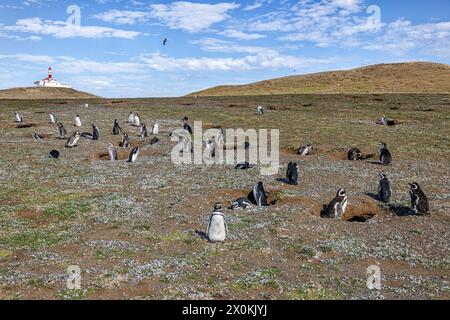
[
  {"x": 53, "y": 118},
  {"x": 155, "y": 130},
  {"x": 62, "y": 131},
  {"x": 125, "y": 140},
  {"x": 54, "y": 154},
  {"x": 305, "y": 150},
  {"x": 131, "y": 118},
  {"x": 37, "y": 137},
  {"x": 260, "y": 195},
  {"x": 155, "y": 140},
  {"x": 337, "y": 207},
  {"x": 19, "y": 117},
  {"x": 133, "y": 155},
  {"x": 354, "y": 154},
  {"x": 384, "y": 189},
  {"x": 112, "y": 152},
  {"x": 137, "y": 120},
  {"x": 116, "y": 128},
  {"x": 292, "y": 174},
  {"x": 217, "y": 230},
  {"x": 383, "y": 121},
  {"x": 385, "y": 155},
  {"x": 144, "y": 132},
  {"x": 187, "y": 127},
  {"x": 77, "y": 121},
  {"x": 72, "y": 142},
  {"x": 244, "y": 166},
  {"x": 260, "y": 110},
  {"x": 95, "y": 135},
  {"x": 419, "y": 201},
  {"x": 241, "y": 203}
]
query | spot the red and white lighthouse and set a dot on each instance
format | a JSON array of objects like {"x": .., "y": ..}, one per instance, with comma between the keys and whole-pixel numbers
[{"x": 50, "y": 82}]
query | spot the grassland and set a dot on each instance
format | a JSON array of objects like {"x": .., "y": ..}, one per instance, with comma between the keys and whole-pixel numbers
[
  {"x": 132, "y": 228},
  {"x": 414, "y": 77},
  {"x": 44, "y": 93}
]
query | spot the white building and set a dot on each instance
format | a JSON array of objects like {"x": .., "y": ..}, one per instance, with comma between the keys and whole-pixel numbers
[{"x": 50, "y": 82}]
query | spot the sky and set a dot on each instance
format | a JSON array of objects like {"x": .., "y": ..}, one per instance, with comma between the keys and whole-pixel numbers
[{"x": 114, "y": 48}]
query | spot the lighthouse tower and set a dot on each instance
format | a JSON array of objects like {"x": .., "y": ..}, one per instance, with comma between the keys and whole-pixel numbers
[{"x": 50, "y": 82}]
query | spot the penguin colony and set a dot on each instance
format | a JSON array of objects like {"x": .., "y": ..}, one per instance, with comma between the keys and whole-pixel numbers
[{"x": 217, "y": 228}]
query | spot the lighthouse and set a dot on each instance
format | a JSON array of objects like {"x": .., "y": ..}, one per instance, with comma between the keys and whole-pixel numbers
[{"x": 50, "y": 82}]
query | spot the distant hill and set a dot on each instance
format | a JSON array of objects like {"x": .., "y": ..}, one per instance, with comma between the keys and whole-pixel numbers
[
  {"x": 420, "y": 77},
  {"x": 44, "y": 93}
]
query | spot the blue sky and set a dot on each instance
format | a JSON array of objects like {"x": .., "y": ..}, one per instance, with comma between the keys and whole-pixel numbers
[{"x": 117, "y": 50}]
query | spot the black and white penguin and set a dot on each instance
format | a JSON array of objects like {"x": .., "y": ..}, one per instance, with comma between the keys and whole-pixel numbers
[
  {"x": 53, "y": 118},
  {"x": 155, "y": 130},
  {"x": 54, "y": 154},
  {"x": 384, "y": 189},
  {"x": 241, "y": 203},
  {"x": 95, "y": 135},
  {"x": 133, "y": 155},
  {"x": 354, "y": 154},
  {"x": 385, "y": 155},
  {"x": 112, "y": 152},
  {"x": 37, "y": 137},
  {"x": 77, "y": 121},
  {"x": 154, "y": 141},
  {"x": 19, "y": 117},
  {"x": 292, "y": 174},
  {"x": 217, "y": 230},
  {"x": 337, "y": 207},
  {"x": 62, "y": 131},
  {"x": 419, "y": 201},
  {"x": 131, "y": 118},
  {"x": 260, "y": 195},
  {"x": 305, "y": 150},
  {"x": 383, "y": 121},
  {"x": 259, "y": 110},
  {"x": 125, "y": 140},
  {"x": 116, "y": 128},
  {"x": 247, "y": 145},
  {"x": 144, "y": 132},
  {"x": 244, "y": 166},
  {"x": 137, "y": 120},
  {"x": 72, "y": 142},
  {"x": 187, "y": 126}
]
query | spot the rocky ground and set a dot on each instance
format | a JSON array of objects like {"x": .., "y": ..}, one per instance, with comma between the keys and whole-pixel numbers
[{"x": 133, "y": 229}]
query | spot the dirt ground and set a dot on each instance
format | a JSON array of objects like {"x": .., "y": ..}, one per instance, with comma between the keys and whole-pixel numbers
[{"x": 133, "y": 229}]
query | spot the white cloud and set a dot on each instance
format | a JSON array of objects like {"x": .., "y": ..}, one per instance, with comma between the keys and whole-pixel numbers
[
  {"x": 192, "y": 17},
  {"x": 236, "y": 34},
  {"x": 59, "y": 29},
  {"x": 123, "y": 17}
]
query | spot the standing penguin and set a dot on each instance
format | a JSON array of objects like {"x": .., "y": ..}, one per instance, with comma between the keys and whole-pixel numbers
[
  {"x": 95, "y": 135},
  {"x": 187, "y": 126},
  {"x": 53, "y": 118},
  {"x": 19, "y": 118},
  {"x": 62, "y": 131},
  {"x": 260, "y": 110},
  {"x": 292, "y": 174},
  {"x": 73, "y": 140},
  {"x": 385, "y": 155},
  {"x": 137, "y": 120},
  {"x": 144, "y": 132},
  {"x": 77, "y": 121},
  {"x": 155, "y": 130},
  {"x": 384, "y": 189},
  {"x": 131, "y": 118},
  {"x": 419, "y": 201},
  {"x": 112, "y": 152},
  {"x": 260, "y": 195},
  {"x": 383, "y": 121},
  {"x": 337, "y": 207},
  {"x": 217, "y": 230},
  {"x": 125, "y": 140},
  {"x": 133, "y": 155},
  {"x": 116, "y": 128}
]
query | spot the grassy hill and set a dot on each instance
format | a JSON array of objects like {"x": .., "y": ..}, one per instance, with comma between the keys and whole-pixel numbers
[
  {"x": 44, "y": 93},
  {"x": 420, "y": 77}
]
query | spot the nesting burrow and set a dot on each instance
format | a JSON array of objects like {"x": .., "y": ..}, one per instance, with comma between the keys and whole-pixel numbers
[
  {"x": 104, "y": 156},
  {"x": 362, "y": 209},
  {"x": 22, "y": 125}
]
